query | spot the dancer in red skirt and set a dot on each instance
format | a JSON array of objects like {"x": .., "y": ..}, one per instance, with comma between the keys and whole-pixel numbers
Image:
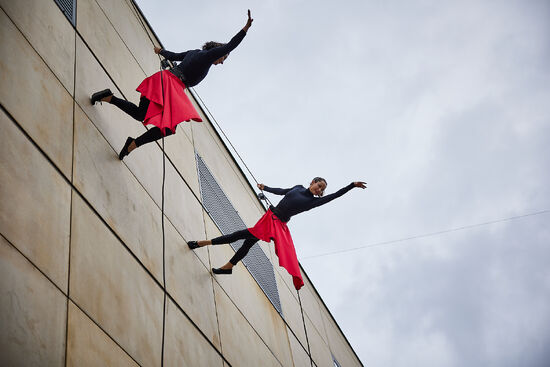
[
  {"x": 163, "y": 101},
  {"x": 272, "y": 225}
]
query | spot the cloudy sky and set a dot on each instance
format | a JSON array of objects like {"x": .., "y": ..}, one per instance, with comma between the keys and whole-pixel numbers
[{"x": 444, "y": 109}]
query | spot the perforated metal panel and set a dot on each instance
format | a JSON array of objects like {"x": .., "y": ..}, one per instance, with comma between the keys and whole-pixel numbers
[
  {"x": 228, "y": 221},
  {"x": 68, "y": 7}
]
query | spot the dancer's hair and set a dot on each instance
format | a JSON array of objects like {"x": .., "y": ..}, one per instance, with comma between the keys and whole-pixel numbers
[
  {"x": 211, "y": 44},
  {"x": 319, "y": 179}
]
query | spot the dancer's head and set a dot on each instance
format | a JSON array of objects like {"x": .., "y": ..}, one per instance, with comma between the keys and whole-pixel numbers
[
  {"x": 211, "y": 45},
  {"x": 318, "y": 186}
]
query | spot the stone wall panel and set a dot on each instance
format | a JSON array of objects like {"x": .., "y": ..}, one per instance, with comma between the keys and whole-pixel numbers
[
  {"x": 241, "y": 345},
  {"x": 184, "y": 344},
  {"x": 88, "y": 345},
  {"x": 36, "y": 204},
  {"x": 108, "y": 47},
  {"x": 35, "y": 98},
  {"x": 291, "y": 310},
  {"x": 190, "y": 284},
  {"x": 126, "y": 23},
  {"x": 113, "y": 288},
  {"x": 49, "y": 32},
  {"x": 320, "y": 352},
  {"x": 32, "y": 313},
  {"x": 116, "y": 194}
]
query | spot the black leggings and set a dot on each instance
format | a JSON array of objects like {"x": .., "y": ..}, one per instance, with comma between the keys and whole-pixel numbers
[
  {"x": 138, "y": 113},
  {"x": 249, "y": 241}
]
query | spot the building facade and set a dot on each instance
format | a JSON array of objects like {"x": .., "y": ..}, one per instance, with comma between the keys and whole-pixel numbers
[{"x": 94, "y": 266}]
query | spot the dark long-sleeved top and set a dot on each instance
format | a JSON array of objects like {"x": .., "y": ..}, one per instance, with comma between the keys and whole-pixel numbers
[
  {"x": 299, "y": 199},
  {"x": 195, "y": 64}
]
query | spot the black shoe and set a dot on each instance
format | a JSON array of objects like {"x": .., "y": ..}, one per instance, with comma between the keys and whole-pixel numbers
[
  {"x": 193, "y": 245},
  {"x": 124, "y": 152},
  {"x": 222, "y": 271},
  {"x": 97, "y": 96}
]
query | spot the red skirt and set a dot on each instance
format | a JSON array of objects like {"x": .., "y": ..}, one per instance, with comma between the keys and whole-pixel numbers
[
  {"x": 270, "y": 227},
  {"x": 169, "y": 104}
]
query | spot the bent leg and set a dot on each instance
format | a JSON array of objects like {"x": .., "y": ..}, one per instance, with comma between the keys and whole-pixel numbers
[
  {"x": 137, "y": 112},
  {"x": 241, "y": 252},
  {"x": 151, "y": 135}
]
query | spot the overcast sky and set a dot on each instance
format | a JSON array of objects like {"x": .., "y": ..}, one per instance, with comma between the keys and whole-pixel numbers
[{"x": 444, "y": 109}]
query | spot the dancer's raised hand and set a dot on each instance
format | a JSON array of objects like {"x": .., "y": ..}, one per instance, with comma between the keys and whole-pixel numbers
[{"x": 248, "y": 22}]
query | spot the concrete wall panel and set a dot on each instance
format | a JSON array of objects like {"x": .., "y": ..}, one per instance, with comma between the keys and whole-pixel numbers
[
  {"x": 110, "y": 286},
  {"x": 34, "y": 96},
  {"x": 212, "y": 231},
  {"x": 35, "y": 202},
  {"x": 188, "y": 281},
  {"x": 116, "y": 194},
  {"x": 146, "y": 164},
  {"x": 88, "y": 345},
  {"x": 126, "y": 23},
  {"x": 181, "y": 206},
  {"x": 179, "y": 148},
  {"x": 32, "y": 313},
  {"x": 320, "y": 351},
  {"x": 299, "y": 354},
  {"x": 291, "y": 310},
  {"x": 100, "y": 35},
  {"x": 49, "y": 32},
  {"x": 184, "y": 345},
  {"x": 253, "y": 303},
  {"x": 311, "y": 307},
  {"x": 241, "y": 345}
]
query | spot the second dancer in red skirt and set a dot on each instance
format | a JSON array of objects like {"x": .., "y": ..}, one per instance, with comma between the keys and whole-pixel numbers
[
  {"x": 272, "y": 225},
  {"x": 163, "y": 101}
]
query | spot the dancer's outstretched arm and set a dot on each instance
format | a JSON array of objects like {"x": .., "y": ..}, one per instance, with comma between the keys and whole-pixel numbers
[
  {"x": 325, "y": 199},
  {"x": 217, "y": 52},
  {"x": 214, "y": 53},
  {"x": 171, "y": 56},
  {"x": 273, "y": 190}
]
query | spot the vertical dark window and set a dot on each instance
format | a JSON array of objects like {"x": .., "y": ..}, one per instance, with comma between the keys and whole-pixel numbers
[
  {"x": 68, "y": 7},
  {"x": 228, "y": 221}
]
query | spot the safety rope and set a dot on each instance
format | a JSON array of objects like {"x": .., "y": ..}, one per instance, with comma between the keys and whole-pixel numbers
[
  {"x": 138, "y": 16},
  {"x": 163, "y": 232}
]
